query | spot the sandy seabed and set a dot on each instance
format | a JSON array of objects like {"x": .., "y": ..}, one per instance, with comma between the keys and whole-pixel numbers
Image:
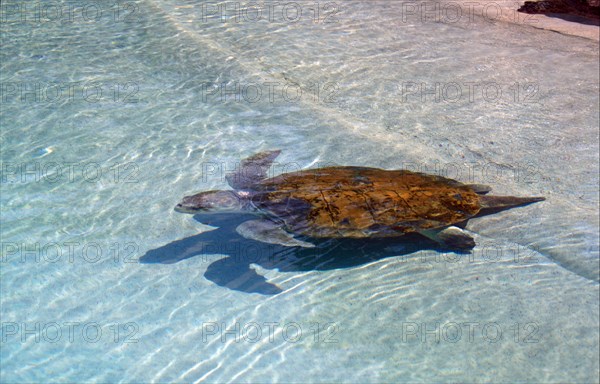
[{"x": 506, "y": 11}]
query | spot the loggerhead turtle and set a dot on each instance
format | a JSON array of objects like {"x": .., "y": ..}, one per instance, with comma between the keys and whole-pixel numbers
[{"x": 349, "y": 202}]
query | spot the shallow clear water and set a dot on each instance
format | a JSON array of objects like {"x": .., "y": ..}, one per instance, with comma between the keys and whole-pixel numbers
[{"x": 89, "y": 183}]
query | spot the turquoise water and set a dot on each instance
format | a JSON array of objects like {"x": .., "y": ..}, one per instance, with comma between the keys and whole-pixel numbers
[{"x": 90, "y": 177}]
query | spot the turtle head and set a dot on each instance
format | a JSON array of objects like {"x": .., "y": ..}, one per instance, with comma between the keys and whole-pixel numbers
[{"x": 211, "y": 201}]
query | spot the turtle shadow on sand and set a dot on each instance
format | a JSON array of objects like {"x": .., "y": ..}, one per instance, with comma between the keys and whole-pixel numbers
[{"x": 234, "y": 271}]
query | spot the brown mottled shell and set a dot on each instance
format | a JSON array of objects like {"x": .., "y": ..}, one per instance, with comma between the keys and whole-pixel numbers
[{"x": 364, "y": 202}]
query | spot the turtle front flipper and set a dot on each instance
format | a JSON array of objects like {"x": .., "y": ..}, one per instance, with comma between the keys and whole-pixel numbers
[
  {"x": 451, "y": 237},
  {"x": 252, "y": 170},
  {"x": 269, "y": 232}
]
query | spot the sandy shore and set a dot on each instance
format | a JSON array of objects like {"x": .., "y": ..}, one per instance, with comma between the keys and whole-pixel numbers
[{"x": 506, "y": 10}]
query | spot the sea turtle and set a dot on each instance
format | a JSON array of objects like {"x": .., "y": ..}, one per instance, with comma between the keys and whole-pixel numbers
[{"x": 349, "y": 202}]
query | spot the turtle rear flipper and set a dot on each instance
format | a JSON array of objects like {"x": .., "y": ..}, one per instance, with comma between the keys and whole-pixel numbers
[
  {"x": 270, "y": 232},
  {"x": 494, "y": 204},
  {"x": 480, "y": 189},
  {"x": 252, "y": 170},
  {"x": 451, "y": 237}
]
